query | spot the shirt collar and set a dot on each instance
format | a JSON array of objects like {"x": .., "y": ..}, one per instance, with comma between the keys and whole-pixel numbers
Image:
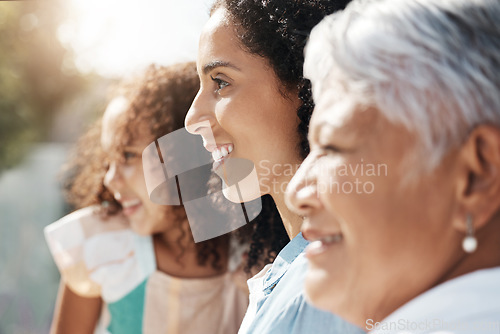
[
  {"x": 283, "y": 261},
  {"x": 455, "y": 302}
]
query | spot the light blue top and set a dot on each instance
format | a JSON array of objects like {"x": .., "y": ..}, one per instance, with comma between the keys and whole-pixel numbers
[{"x": 280, "y": 304}]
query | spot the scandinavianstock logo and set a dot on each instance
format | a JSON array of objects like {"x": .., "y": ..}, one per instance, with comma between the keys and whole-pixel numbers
[
  {"x": 178, "y": 170},
  {"x": 222, "y": 197}
]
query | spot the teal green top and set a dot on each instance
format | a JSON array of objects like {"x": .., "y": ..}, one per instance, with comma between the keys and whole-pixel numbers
[{"x": 128, "y": 312}]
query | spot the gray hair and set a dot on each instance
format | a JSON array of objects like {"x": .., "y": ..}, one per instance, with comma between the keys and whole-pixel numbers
[{"x": 431, "y": 65}]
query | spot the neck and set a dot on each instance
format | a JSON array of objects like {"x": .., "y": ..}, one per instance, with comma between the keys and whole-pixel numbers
[
  {"x": 177, "y": 238},
  {"x": 487, "y": 254},
  {"x": 177, "y": 255},
  {"x": 291, "y": 221}
]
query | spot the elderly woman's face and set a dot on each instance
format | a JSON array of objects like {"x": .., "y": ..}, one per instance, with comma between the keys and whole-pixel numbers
[{"x": 376, "y": 240}]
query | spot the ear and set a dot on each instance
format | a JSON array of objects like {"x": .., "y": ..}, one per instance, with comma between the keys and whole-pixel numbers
[{"x": 479, "y": 177}]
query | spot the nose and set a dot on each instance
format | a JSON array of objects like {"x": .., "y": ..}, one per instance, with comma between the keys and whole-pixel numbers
[
  {"x": 113, "y": 179},
  {"x": 200, "y": 117},
  {"x": 302, "y": 192}
]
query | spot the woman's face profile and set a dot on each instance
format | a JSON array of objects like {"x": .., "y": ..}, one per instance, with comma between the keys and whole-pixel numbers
[
  {"x": 240, "y": 103},
  {"x": 124, "y": 177},
  {"x": 377, "y": 240}
]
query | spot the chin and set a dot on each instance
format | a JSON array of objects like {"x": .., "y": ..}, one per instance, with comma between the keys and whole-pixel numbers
[
  {"x": 240, "y": 182},
  {"x": 319, "y": 291},
  {"x": 329, "y": 295},
  {"x": 236, "y": 195},
  {"x": 139, "y": 228}
]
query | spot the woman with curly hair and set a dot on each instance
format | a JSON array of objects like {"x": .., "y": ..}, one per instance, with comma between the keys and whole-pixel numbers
[
  {"x": 254, "y": 105},
  {"x": 125, "y": 255}
]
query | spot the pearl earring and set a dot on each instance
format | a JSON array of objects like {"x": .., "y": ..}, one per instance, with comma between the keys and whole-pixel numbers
[{"x": 470, "y": 242}]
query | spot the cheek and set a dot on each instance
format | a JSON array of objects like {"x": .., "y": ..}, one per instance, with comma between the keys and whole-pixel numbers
[
  {"x": 373, "y": 225},
  {"x": 235, "y": 114},
  {"x": 335, "y": 183},
  {"x": 129, "y": 173},
  {"x": 356, "y": 192},
  {"x": 363, "y": 208},
  {"x": 134, "y": 177},
  {"x": 253, "y": 136}
]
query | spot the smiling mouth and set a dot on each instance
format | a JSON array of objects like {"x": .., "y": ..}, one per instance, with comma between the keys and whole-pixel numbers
[
  {"x": 320, "y": 245},
  {"x": 220, "y": 152},
  {"x": 129, "y": 207}
]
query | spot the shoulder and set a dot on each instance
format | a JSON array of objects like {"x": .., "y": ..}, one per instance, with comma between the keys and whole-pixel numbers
[
  {"x": 464, "y": 304},
  {"x": 76, "y": 228},
  {"x": 298, "y": 316},
  {"x": 289, "y": 312},
  {"x": 91, "y": 250}
]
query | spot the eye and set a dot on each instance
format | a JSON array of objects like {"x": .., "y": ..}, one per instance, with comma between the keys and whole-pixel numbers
[
  {"x": 129, "y": 156},
  {"x": 330, "y": 149},
  {"x": 220, "y": 83}
]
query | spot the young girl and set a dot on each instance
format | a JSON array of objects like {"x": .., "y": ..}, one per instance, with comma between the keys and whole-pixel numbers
[{"x": 135, "y": 259}]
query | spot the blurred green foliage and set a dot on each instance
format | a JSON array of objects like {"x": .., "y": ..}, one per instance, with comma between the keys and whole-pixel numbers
[{"x": 37, "y": 75}]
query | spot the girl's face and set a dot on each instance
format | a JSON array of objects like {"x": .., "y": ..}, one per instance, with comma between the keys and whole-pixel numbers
[
  {"x": 125, "y": 179},
  {"x": 243, "y": 111}
]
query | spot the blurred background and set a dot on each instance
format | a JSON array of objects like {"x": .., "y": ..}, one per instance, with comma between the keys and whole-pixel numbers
[{"x": 58, "y": 60}]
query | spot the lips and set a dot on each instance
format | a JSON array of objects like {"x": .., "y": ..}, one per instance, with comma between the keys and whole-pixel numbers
[
  {"x": 321, "y": 245},
  {"x": 222, "y": 151},
  {"x": 130, "y": 206},
  {"x": 322, "y": 239}
]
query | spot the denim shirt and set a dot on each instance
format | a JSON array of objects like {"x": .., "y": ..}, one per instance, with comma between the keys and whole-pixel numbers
[{"x": 277, "y": 302}]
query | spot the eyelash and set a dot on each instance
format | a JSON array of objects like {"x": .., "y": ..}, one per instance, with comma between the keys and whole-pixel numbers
[
  {"x": 330, "y": 149},
  {"x": 220, "y": 83},
  {"x": 125, "y": 158},
  {"x": 129, "y": 155}
]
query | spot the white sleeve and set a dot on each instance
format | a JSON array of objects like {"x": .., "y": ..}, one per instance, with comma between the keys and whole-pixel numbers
[{"x": 69, "y": 239}]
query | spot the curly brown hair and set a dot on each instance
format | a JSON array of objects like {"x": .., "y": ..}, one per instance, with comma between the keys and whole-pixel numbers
[
  {"x": 158, "y": 101},
  {"x": 277, "y": 30}
]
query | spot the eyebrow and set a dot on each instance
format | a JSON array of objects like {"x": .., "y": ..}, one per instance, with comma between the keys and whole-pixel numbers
[
  {"x": 314, "y": 134},
  {"x": 218, "y": 63},
  {"x": 347, "y": 132}
]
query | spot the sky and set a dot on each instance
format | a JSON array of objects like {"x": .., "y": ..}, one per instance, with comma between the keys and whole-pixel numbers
[{"x": 116, "y": 37}]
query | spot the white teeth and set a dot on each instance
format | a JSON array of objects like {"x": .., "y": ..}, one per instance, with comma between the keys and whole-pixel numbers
[
  {"x": 331, "y": 239},
  {"x": 221, "y": 152},
  {"x": 128, "y": 204},
  {"x": 224, "y": 151},
  {"x": 216, "y": 155},
  {"x": 320, "y": 245}
]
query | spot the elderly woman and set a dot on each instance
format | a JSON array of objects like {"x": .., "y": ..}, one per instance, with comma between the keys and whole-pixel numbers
[{"x": 401, "y": 190}]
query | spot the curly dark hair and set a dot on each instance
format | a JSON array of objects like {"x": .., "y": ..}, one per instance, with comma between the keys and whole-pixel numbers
[
  {"x": 277, "y": 30},
  {"x": 158, "y": 101}
]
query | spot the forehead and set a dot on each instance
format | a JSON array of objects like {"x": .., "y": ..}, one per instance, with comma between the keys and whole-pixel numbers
[
  {"x": 219, "y": 43},
  {"x": 114, "y": 112},
  {"x": 114, "y": 135},
  {"x": 218, "y": 30},
  {"x": 341, "y": 115}
]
